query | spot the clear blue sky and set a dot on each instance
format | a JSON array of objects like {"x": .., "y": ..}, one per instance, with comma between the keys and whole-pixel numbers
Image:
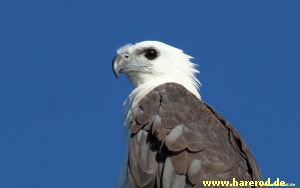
[{"x": 61, "y": 107}]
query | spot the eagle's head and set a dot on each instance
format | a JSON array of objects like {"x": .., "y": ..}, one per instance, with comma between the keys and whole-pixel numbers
[{"x": 153, "y": 63}]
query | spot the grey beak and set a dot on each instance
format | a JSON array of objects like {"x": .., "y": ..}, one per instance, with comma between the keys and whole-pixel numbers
[{"x": 117, "y": 65}]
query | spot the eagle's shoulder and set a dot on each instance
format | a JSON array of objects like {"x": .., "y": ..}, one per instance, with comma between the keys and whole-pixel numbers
[{"x": 171, "y": 101}]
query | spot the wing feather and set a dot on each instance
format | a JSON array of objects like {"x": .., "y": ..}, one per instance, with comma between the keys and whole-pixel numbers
[{"x": 179, "y": 141}]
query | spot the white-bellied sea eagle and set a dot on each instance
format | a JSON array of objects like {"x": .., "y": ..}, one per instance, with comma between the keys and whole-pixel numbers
[{"x": 176, "y": 140}]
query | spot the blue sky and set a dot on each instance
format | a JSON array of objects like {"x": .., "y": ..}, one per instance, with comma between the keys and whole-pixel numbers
[{"x": 61, "y": 107}]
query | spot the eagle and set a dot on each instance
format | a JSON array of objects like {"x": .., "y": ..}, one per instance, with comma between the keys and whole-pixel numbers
[{"x": 176, "y": 140}]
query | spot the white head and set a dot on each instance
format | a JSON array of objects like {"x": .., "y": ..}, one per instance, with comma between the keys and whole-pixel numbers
[{"x": 149, "y": 64}]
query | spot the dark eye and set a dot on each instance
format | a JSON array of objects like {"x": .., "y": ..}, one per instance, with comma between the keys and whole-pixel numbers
[{"x": 150, "y": 53}]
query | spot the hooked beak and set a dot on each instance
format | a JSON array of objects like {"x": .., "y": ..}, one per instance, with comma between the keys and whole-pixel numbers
[{"x": 117, "y": 65}]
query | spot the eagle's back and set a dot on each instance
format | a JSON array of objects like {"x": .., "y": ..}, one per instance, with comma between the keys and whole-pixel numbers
[{"x": 179, "y": 141}]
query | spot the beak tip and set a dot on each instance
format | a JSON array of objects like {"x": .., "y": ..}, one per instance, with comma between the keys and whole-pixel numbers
[
  {"x": 115, "y": 66},
  {"x": 116, "y": 75}
]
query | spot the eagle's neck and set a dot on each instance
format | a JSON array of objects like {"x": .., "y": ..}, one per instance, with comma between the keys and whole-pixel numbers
[{"x": 142, "y": 90}]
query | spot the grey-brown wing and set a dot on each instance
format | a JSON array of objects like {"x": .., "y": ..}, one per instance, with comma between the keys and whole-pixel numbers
[{"x": 178, "y": 141}]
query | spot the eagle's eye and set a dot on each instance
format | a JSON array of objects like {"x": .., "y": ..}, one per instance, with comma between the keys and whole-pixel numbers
[{"x": 150, "y": 53}]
